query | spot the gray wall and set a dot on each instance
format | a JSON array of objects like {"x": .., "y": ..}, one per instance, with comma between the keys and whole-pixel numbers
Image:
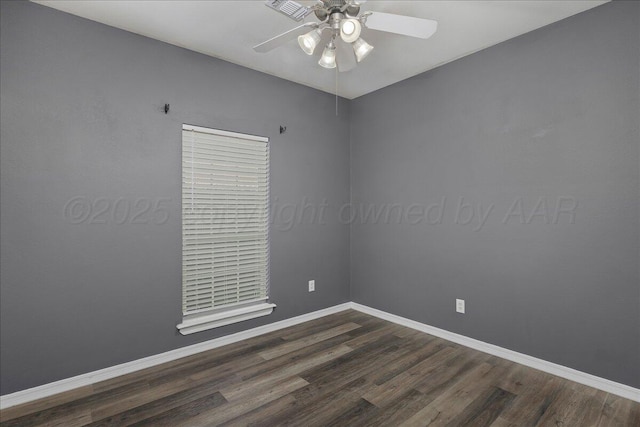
[
  {"x": 81, "y": 117},
  {"x": 551, "y": 114}
]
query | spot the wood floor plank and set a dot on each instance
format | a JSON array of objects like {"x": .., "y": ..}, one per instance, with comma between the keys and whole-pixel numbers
[
  {"x": 272, "y": 409},
  {"x": 323, "y": 409},
  {"x": 346, "y": 373},
  {"x": 319, "y": 325},
  {"x": 397, "y": 412},
  {"x": 530, "y": 405},
  {"x": 218, "y": 376},
  {"x": 484, "y": 410},
  {"x": 448, "y": 372},
  {"x": 455, "y": 399},
  {"x": 262, "y": 382},
  {"x": 354, "y": 364},
  {"x": 341, "y": 403},
  {"x": 345, "y": 404},
  {"x": 44, "y": 404},
  {"x": 216, "y": 365},
  {"x": 350, "y": 417},
  {"x": 209, "y": 371},
  {"x": 405, "y": 332},
  {"x": 347, "y": 369},
  {"x": 382, "y": 394},
  {"x": 616, "y": 411},
  {"x": 403, "y": 364},
  {"x": 289, "y": 346},
  {"x": 231, "y": 410},
  {"x": 182, "y": 414},
  {"x": 521, "y": 379},
  {"x": 592, "y": 406},
  {"x": 79, "y": 406},
  {"x": 357, "y": 364},
  {"x": 372, "y": 335},
  {"x": 76, "y": 419},
  {"x": 192, "y": 363},
  {"x": 265, "y": 366},
  {"x": 567, "y": 409},
  {"x": 158, "y": 406}
]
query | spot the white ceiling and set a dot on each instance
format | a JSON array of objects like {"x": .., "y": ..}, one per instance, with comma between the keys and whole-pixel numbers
[{"x": 229, "y": 30}]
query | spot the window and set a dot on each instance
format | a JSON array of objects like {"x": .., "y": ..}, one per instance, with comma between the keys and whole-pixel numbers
[{"x": 225, "y": 234}]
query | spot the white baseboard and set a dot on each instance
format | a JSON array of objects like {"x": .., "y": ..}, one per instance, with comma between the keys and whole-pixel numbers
[
  {"x": 61, "y": 386},
  {"x": 523, "y": 359},
  {"x": 67, "y": 384}
]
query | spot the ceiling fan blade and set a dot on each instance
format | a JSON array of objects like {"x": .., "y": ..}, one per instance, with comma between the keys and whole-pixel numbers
[
  {"x": 281, "y": 39},
  {"x": 345, "y": 57},
  {"x": 399, "y": 24}
]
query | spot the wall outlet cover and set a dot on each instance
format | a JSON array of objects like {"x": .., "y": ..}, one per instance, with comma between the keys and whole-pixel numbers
[
  {"x": 312, "y": 285},
  {"x": 460, "y": 306}
]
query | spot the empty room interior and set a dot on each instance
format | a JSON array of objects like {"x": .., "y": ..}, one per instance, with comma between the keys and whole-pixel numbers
[{"x": 320, "y": 213}]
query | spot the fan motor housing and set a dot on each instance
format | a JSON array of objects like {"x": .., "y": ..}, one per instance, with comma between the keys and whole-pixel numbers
[{"x": 336, "y": 6}]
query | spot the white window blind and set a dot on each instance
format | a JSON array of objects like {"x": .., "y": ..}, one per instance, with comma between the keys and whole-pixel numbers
[{"x": 225, "y": 216}]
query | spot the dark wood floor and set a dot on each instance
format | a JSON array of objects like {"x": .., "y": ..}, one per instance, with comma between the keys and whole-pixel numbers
[{"x": 347, "y": 369}]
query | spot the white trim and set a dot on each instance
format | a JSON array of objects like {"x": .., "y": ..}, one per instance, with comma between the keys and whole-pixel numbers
[
  {"x": 224, "y": 133},
  {"x": 201, "y": 322},
  {"x": 523, "y": 359},
  {"x": 61, "y": 386},
  {"x": 67, "y": 384}
]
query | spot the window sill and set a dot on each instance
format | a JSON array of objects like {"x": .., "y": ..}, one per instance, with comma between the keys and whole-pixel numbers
[{"x": 191, "y": 325}]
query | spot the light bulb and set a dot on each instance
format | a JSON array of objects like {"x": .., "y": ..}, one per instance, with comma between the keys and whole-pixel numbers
[{"x": 348, "y": 27}]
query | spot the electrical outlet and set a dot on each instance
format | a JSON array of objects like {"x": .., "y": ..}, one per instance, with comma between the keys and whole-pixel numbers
[
  {"x": 312, "y": 285},
  {"x": 460, "y": 306}
]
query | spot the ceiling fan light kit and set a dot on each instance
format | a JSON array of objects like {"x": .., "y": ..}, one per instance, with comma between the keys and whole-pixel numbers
[
  {"x": 309, "y": 41},
  {"x": 361, "y": 49},
  {"x": 344, "y": 22},
  {"x": 328, "y": 58}
]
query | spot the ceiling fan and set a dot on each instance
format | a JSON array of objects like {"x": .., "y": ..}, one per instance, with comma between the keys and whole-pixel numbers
[{"x": 341, "y": 23}]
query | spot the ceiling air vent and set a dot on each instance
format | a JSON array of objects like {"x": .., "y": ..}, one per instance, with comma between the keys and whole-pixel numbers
[{"x": 293, "y": 10}]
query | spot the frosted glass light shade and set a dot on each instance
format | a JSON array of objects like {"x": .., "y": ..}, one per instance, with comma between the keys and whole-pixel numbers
[
  {"x": 361, "y": 49},
  {"x": 328, "y": 59},
  {"x": 309, "y": 41}
]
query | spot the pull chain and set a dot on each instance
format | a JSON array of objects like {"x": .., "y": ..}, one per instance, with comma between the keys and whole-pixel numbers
[{"x": 336, "y": 91}]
